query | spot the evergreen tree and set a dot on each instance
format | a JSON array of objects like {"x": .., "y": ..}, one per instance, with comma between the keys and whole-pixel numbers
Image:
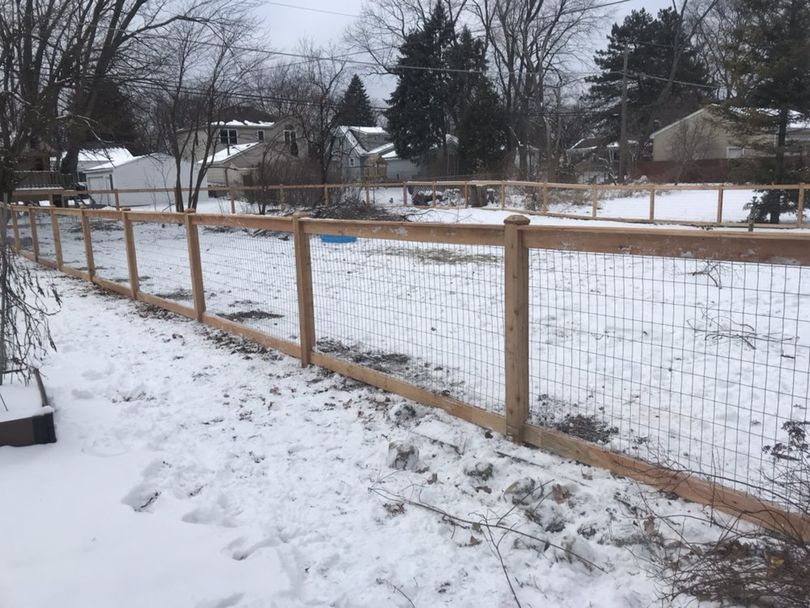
[
  {"x": 354, "y": 108},
  {"x": 416, "y": 116},
  {"x": 770, "y": 68},
  {"x": 653, "y": 44}
]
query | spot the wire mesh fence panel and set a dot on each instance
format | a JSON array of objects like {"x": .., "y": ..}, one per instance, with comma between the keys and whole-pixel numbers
[
  {"x": 109, "y": 249},
  {"x": 524, "y": 197},
  {"x": 71, "y": 239},
  {"x": 249, "y": 278},
  {"x": 163, "y": 264},
  {"x": 571, "y": 201},
  {"x": 24, "y": 230},
  {"x": 696, "y": 365},
  {"x": 430, "y": 314},
  {"x": 45, "y": 242}
]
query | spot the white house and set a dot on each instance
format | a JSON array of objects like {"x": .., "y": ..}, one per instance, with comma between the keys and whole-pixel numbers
[
  {"x": 151, "y": 171},
  {"x": 368, "y": 153},
  {"x": 90, "y": 158}
]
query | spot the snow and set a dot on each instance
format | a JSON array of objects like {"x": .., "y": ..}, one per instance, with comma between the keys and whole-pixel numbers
[
  {"x": 114, "y": 156},
  {"x": 229, "y": 152},
  {"x": 20, "y": 401},
  {"x": 191, "y": 470}
]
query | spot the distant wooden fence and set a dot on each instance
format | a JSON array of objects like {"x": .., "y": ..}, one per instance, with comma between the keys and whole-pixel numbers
[
  {"x": 328, "y": 193},
  {"x": 516, "y": 238}
]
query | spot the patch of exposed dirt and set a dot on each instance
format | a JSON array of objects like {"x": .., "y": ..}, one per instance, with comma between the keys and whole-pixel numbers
[
  {"x": 250, "y": 315},
  {"x": 444, "y": 256}
]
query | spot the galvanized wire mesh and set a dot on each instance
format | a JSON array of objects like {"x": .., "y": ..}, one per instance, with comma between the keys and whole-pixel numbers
[
  {"x": 109, "y": 249},
  {"x": 24, "y": 231},
  {"x": 431, "y": 314},
  {"x": 692, "y": 364},
  {"x": 71, "y": 239},
  {"x": 249, "y": 277},
  {"x": 162, "y": 258},
  {"x": 45, "y": 242}
]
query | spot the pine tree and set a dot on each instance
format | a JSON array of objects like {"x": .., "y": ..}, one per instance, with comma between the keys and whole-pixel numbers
[
  {"x": 417, "y": 118},
  {"x": 770, "y": 68},
  {"x": 355, "y": 107},
  {"x": 651, "y": 44}
]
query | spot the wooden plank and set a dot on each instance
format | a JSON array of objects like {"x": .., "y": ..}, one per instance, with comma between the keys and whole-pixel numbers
[
  {"x": 652, "y": 204},
  {"x": 88, "y": 246},
  {"x": 57, "y": 240},
  {"x": 289, "y": 348},
  {"x": 34, "y": 240},
  {"x": 132, "y": 258},
  {"x": 405, "y": 194},
  {"x": 103, "y": 214},
  {"x": 117, "y": 201},
  {"x": 503, "y": 196},
  {"x": 516, "y": 327},
  {"x": 800, "y": 206},
  {"x": 434, "y": 194},
  {"x": 28, "y": 254},
  {"x": 683, "y": 484},
  {"x": 466, "y": 195},
  {"x": 112, "y": 286},
  {"x": 254, "y": 222},
  {"x": 195, "y": 266},
  {"x": 232, "y": 197},
  {"x": 545, "y": 198},
  {"x": 463, "y": 234},
  {"x": 75, "y": 272},
  {"x": 594, "y": 202},
  {"x": 789, "y": 249},
  {"x": 175, "y": 307},
  {"x": 68, "y": 212},
  {"x": 306, "y": 305},
  {"x": 720, "y": 205},
  {"x": 153, "y": 217},
  {"x": 478, "y": 416},
  {"x": 47, "y": 263}
]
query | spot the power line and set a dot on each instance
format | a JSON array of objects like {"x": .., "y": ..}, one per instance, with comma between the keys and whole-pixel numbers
[{"x": 311, "y": 9}]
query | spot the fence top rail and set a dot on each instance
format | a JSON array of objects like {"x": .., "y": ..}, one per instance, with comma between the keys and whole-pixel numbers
[
  {"x": 459, "y": 234},
  {"x": 65, "y": 211},
  {"x": 104, "y": 214},
  {"x": 783, "y": 249},
  {"x": 154, "y": 217},
  {"x": 249, "y": 222}
]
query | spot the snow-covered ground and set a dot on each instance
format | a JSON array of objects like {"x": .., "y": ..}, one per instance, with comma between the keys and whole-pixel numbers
[{"x": 192, "y": 469}]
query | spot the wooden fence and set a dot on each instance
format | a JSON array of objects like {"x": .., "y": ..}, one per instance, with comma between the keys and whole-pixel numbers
[
  {"x": 516, "y": 238},
  {"x": 542, "y": 192}
]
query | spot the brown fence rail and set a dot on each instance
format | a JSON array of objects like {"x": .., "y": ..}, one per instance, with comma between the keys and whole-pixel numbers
[
  {"x": 673, "y": 357},
  {"x": 579, "y": 201}
]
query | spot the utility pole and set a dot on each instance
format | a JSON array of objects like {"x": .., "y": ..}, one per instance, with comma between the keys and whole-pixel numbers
[{"x": 623, "y": 135}]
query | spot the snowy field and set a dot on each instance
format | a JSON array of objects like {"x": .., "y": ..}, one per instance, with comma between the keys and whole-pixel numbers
[
  {"x": 692, "y": 364},
  {"x": 193, "y": 470}
]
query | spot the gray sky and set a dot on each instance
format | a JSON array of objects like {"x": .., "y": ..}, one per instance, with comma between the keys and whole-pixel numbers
[{"x": 286, "y": 22}]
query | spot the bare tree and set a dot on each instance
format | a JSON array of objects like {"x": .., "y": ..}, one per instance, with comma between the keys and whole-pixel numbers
[
  {"x": 691, "y": 142},
  {"x": 530, "y": 41}
]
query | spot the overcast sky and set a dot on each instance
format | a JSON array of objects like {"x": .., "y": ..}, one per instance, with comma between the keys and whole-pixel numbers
[{"x": 286, "y": 22}]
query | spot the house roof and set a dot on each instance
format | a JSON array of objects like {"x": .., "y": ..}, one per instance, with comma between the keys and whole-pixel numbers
[
  {"x": 229, "y": 153},
  {"x": 104, "y": 155},
  {"x": 796, "y": 121},
  {"x": 244, "y": 123},
  {"x": 124, "y": 161},
  {"x": 365, "y": 140}
]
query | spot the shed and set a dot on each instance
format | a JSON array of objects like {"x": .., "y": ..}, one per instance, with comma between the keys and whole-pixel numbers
[{"x": 150, "y": 171}]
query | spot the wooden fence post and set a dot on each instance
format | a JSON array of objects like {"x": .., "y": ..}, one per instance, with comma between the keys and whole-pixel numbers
[
  {"x": 368, "y": 197},
  {"x": 516, "y": 327},
  {"x": 16, "y": 229},
  {"x": 281, "y": 199},
  {"x": 720, "y": 205},
  {"x": 57, "y": 239},
  {"x": 652, "y": 204},
  {"x": 88, "y": 245},
  {"x": 303, "y": 271},
  {"x": 800, "y": 206},
  {"x": 405, "y": 193},
  {"x": 117, "y": 199},
  {"x": 34, "y": 239},
  {"x": 232, "y": 197},
  {"x": 326, "y": 195},
  {"x": 503, "y": 196},
  {"x": 466, "y": 194},
  {"x": 434, "y": 194},
  {"x": 132, "y": 258},
  {"x": 545, "y": 197},
  {"x": 195, "y": 265},
  {"x": 594, "y": 201}
]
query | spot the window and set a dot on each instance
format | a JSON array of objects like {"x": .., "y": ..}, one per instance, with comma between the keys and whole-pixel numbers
[
  {"x": 734, "y": 152},
  {"x": 259, "y": 135},
  {"x": 289, "y": 140},
  {"x": 351, "y": 162},
  {"x": 227, "y": 136}
]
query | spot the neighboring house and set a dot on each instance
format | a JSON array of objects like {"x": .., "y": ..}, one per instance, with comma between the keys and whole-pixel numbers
[
  {"x": 232, "y": 133},
  {"x": 281, "y": 153},
  {"x": 151, "y": 171},
  {"x": 701, "y": 146},
  {"x": 596, "y": 159},
  {"x": 91, "y": 158}
]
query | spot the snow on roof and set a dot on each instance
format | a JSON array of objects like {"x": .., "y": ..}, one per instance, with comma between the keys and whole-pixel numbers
[
  {"x": 796, "y": 120},
  {"x": 381, "y": 149},
  {"x": 369, "y": 130},
  {"x": 104, "y": 155},
  {"x": 228, "y": 153},
  {"x": 243, "y": 123},
  {"x": 124, "y": 161}
]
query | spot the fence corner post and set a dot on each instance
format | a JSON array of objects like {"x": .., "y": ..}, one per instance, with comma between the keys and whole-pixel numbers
[
  {"x": 132, "y": 259},
  {"x": 88, "y": 245},
  {"x": 195, "y": 264},
  {"x": 516, "y": 327},
  {"x": 303, "y": 272}
]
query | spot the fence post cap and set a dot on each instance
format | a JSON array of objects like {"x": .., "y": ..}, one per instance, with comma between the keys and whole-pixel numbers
[
  {"x": 189, "y": 211},
  {"x": 300, "y": 214},
  {"x": 520, "y": 220}
]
